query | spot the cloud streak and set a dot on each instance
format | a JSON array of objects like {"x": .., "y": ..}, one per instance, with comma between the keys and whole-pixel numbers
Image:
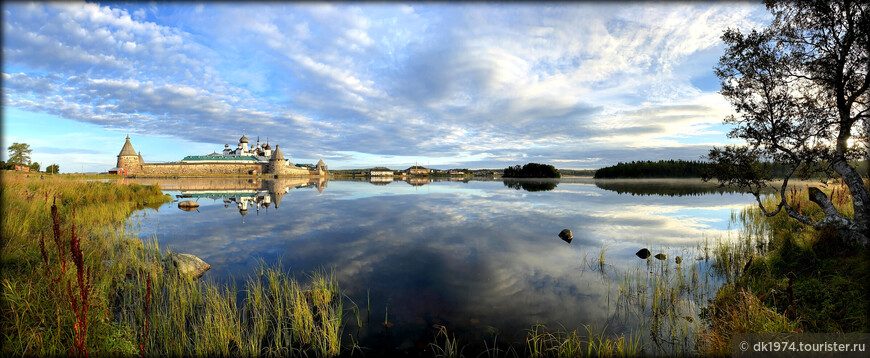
[{"x": 471, "y": 81}]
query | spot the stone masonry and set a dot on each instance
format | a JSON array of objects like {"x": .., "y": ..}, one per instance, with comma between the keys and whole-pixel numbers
[{"x": 133, "y": 163}]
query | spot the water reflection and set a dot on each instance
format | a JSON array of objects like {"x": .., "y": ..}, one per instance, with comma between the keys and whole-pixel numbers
[
  {"x": 252, "y": 194},
  {"x": 664, "y": 187},
  {"x": 476, "y": 256},
  {"x": 531, "y": 184}
]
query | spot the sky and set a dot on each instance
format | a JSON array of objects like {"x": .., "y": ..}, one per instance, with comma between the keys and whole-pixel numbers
[{"x": 467, "y": 85}]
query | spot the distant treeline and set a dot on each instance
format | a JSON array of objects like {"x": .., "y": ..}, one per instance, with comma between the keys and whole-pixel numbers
[
  {"x": 578, "y": 172},
  {"x": 531, "y": 170},
  {"x": 671, "y": 169},
  {"x": 677, "y": 187},
  {"x": 659, "y": 169},
  {"x": 680, "y": 169}
]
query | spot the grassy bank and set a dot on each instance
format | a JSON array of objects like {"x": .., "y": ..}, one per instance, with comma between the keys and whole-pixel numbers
[
  {"x": 787, "y": 277},
  {"x": 75, "y": 283}
]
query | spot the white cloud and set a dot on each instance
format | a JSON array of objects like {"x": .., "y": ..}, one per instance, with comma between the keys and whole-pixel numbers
[{"x": 435, "y": 79}]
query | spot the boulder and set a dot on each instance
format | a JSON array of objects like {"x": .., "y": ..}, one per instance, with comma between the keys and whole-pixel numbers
[
  {"x": 566, "y": 235},
  {"x": 661, "y": 256},
  {"x": 643, "y": 253},
  {"x": 188, "y": 204},
  {"x": 187, "y": 265}
]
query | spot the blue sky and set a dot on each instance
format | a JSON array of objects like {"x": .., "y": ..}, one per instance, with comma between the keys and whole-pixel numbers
[{"x": 577, "y": 85}]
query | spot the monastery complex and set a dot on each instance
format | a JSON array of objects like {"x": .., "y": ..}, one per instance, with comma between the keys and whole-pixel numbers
[{"x": 243, "y": 160}]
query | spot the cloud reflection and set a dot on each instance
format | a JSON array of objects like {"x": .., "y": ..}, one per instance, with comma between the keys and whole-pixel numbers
[{"x": 470, "y": 255}]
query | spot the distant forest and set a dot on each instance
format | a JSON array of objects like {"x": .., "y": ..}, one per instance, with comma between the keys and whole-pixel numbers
[
  {"x": 531, "y": 170},
  {"x": 671, "y": 169},
  {"x": 659, "y": 169},
  {"x": 577, "y": 172}
]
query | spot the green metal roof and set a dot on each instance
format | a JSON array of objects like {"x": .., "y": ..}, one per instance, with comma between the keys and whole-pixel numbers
[{"x": 219, "y": 157}]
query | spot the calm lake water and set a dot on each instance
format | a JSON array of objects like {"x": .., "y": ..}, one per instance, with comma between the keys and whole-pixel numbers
[{"x": 482, "y": 258}]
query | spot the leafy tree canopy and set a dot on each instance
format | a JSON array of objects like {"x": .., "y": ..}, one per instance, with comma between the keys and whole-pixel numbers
[
  {"x": 531, "y": 170},
  {"x": 800, "y": 92},
  {"x": 19, "y": 153}
]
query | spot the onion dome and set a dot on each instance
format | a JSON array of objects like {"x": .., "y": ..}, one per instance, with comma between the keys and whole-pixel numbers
[
  {"x": 243, "y": 139},
  {"x": 127, "y": 150},
  {"x": 226, "y": 145},
  {"x": 268, "y": 147}
]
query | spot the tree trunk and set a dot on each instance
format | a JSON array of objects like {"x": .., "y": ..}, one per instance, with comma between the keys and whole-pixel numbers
[{"x": 851, "y": 231}]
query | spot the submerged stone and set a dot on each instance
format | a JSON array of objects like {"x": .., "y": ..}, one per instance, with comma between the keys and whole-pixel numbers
[
  {"x": 188, "y": 204},
  {"x": 187, "y": 265},
  {"x": 643, "y": 253}
]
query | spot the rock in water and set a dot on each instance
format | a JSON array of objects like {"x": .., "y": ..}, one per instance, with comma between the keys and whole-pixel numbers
[
  {"x": 661, "y": 256},
  {"x": 678, "y": 260},
  {"x": 188, "y": 204},
  {"x": 643, "y": 253},
  {"x": 566, "y": 235},
  {"x": 187, "y": 265}
]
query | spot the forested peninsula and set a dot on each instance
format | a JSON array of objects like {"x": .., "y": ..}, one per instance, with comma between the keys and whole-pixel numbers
[{"x": 674, "y": 169}]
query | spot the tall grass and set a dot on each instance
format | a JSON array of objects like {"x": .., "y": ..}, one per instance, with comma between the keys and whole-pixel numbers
[
  {"x": 55, "y": 299},
  {"x": 775, "y": 262},
  {"x": 448, "y": 347},
  {"x": 74, "y": 282},
  {"x": 543, "y": 342},
  {"x": 664, "y": 301},
  {"x": 278, "y": 315},
  {"x": 93, "y": 290}
]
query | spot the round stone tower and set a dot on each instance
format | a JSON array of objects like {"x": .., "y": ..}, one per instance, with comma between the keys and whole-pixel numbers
[
  {"x": 321, "y": 167},
  {"x": 276, "y": 163},
  {"x": 129, "y": 159}
]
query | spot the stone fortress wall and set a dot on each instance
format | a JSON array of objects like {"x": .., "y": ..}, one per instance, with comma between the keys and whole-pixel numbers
[
  {"x": 214, "y": 168},
  {"x": 133, "y": 163},
  {"x": 202, "y": 168}
]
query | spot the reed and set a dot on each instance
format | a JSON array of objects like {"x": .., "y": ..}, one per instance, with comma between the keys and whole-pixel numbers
[
  {"x": 776, "y": 261},
  {"x": 601, "y": 255},
  {"x": 542, "y": 342},
  {"x": 105, "y": 292},
  {"x": 53, "y": 310},
  {"x": 448, "y": 347},
  {"x": 278, "y": 315}
]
